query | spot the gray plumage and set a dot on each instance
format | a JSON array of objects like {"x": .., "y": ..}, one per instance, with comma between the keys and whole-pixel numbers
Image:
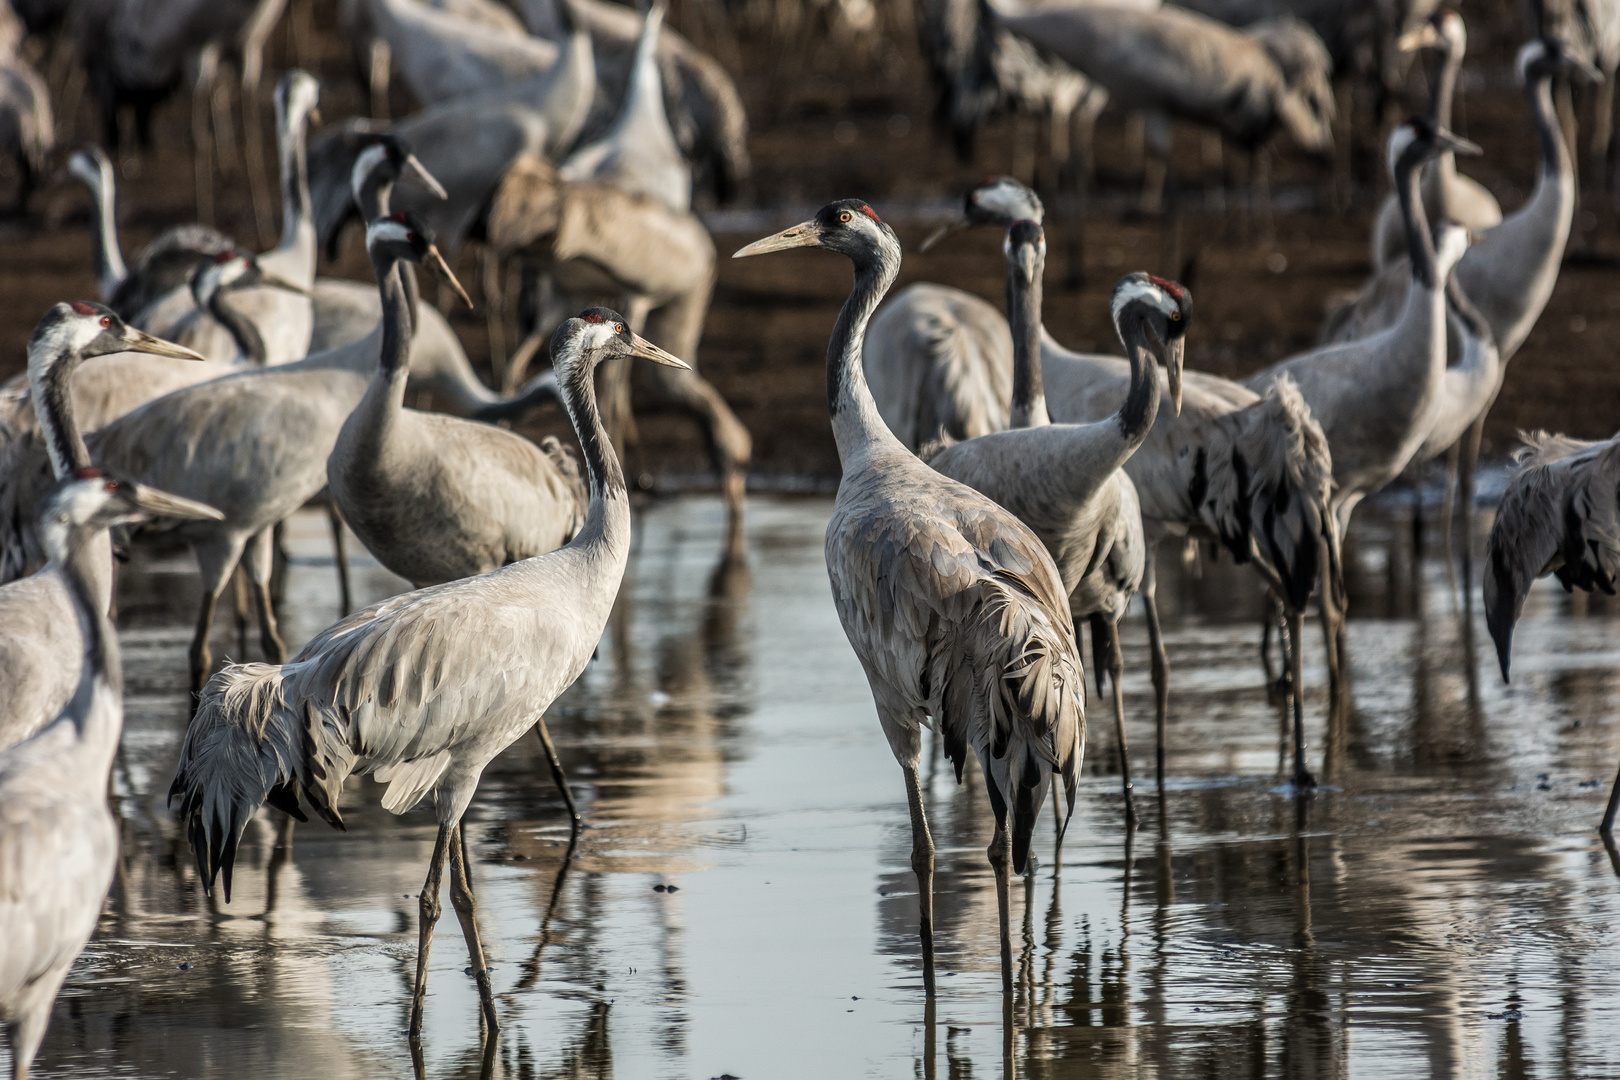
[
  {"x": 639, "y": 152},
  {"x": 442, "y": 55},
  {"x": 284, "y": 320},
  {"x": 1447, "y": 194},
  {"x": 1509, "y": 273},
  {"x": 43, "y": 640},
  {"x": 1559, "y": 515},
  {"x": 952, "y": 605},
  {"x": 433, "y": 497},
  {"x": 704, "y": 107},
  {"x": 939, "y": 361},
  {"x": 27, "y": 127},
  {"x": 1376, "y": 398},
  {"x": 1245, "y": 83},
  {"x": 422, "y": 690}
]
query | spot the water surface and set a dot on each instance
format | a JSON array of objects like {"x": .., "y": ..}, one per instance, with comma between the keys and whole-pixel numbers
[{"x": 742, "y": 903}]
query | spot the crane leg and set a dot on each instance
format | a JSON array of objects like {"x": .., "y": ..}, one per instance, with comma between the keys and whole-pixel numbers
[
  {"x": 558, "y": 777},
  {"x": 26, "y": 1033},
  {"x": 256, "y": 562},
  {"x": 1161, "y": 662},
  {"x": 427, "y": 916},
  {"x": 216, "y": 559},
  {"x": 1105, "y": 636},
  {"x": 1302, "y": 776},
  {"x": 340, "y": 554},
  {"x": 466, "y": 905},
  {"x": 922, "y": 864},
  {"x": 1000, "y": 853},
  {"x": 1607, "y": 828},
  {"x": 1465, "y": 504}
]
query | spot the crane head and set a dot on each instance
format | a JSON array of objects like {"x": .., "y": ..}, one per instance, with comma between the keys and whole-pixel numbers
[
  {"x": 848, "y": 226},
  {"x": 403, "y": 235}
]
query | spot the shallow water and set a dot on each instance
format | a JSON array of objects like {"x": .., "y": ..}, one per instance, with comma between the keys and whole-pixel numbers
[{"x": 1443, "y": 907}]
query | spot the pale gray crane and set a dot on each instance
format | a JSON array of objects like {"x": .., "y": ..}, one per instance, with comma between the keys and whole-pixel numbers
[
  {"x": 704, "y": 107},
  {"x": 952, "y": 605},
  {"x": 436, "y": 498},
  {"x": 214, "y": 282},
  {"x": 1066, "y": 481},
  {"x": 442, "y": 55},
  {"x": 1377, "y": 399},
  {"x": 27, "y": 126},
  {"x": 1171, "y": 63},
  {"x": 1510, "y": 272},
  {"x": 638, "y": 152},
  {"x": 1560, "y": 515},
  {"x": 42, "y": 640},
  {"x": 285, "y": 320},
  {"x": 58, "y": 837},
  {"x": 1250, "y": 472},
  {"x": 1447, "y": 194},
  {"x": 388, "y": 692},
  {"x": 1589, "y": 29}
]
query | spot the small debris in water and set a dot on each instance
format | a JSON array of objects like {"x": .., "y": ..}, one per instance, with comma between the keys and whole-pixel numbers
[
  {"x": 660, "y": 888},
  {"x": 1508, "y": 1014},
  {"x": 185, "y": 966}
]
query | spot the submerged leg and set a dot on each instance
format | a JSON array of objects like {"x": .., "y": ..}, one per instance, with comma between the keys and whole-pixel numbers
[
  {"x": 1161, "y": 663},
  {"x": 1000, "y": 853},
  {"x": 1465, "y": 506},
  {"x": 256, "y": 562},
  {"x": 922, "y": 864},
  {"x": 558, "y": 777},
  {"x": 466, "y": 905},
  {"x": 1607, "y": 828},
  {"x": 1106, "y": 632},
  {"x": 340, "y": 555},
  {"x": 217, "y": 556},
  {"x": 1302, "y": 776},
  {"x": 427, "y": 915}
]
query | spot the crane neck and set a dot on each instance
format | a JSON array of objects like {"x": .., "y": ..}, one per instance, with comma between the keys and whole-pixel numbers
[
  {"x": 1555, "y": 159},
  {"x": 396, "y": 282},
  {"x": 53, "y": 408},
  {"x": 1141, "y": 405},
  {"x": 109, "y": 255},
  {"x": 1419, "y": 242},
  {"x": 607, "y": 515},
  {"x": 243, "y": 330},
  {"x": 1445, "y": 88},
  {"x": 857, "y": 425},
  {"x": 97, "y": 706},
  {"x": 1024, "y": 319},
  {"x": 297, "y": 222}
]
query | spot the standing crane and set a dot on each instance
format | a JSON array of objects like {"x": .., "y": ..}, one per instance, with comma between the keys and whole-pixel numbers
[
  {"x": 1246, "y": 470},
  {"x": 1378, "y": 398},
  {"x": 1560, "y": 515},
  {"x": 58, "y": 837},
  {"x": 1065, "y": 481},
  {"x": 42, "y": 640},
  {"x": 1447, "y": 194},
  {"x": 394, "y": 693},
  {"x": 953, "y": 606}
]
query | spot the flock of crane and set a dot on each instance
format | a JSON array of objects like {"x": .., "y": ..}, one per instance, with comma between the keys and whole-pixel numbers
[{"x": 998, "y": 489}]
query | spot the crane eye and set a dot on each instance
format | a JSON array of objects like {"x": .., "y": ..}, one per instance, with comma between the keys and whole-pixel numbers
[
  {"x": 106, "y": 320},
  {"x": 1175, "y": 316},
  {"x": 844, "y": 217},
  {"x": 410, "y": 238},
  {"x": 618, "y": 328}
]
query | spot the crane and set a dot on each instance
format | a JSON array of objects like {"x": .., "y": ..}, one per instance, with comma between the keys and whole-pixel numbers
[
  {"x": 58, "y": 837},
  {"x": 953, "y": 606},
  {"x": 392, "y": 692}
]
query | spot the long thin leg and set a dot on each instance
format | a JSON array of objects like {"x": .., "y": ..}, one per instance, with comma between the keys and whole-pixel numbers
[
  {"x": 466, "y": 905},
  {"x": 922, "y": 864},
  {"x": 428, "y": 914},
  {"x": 256, "y": 560},
  {"x": 1448, "y": 511},
  {"x": 1104, "y": 630},
  {"x": 1465, "y": 498},
  {"x": 558, "y": 777},
  {"x": 1000, "y": 853},
  {"x": 1161, "y": 663},
  {"x": 340, "y": 554},
  {"x": 217, "y": 556},
  {"x": 239, "y": 597},
  {"x": 1302, "y": 776},
  {"x": 1607, "y": 828}
]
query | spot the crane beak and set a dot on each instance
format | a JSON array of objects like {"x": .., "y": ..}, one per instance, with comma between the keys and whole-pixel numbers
[
  {"x": 435, "y": 260},
  {"x": 804, "y": 234},
  {"x": 140, "y": 341},
  {"x": 646, "y": 350},
  {"x": 414, "y": 165},
  {"x": 1584, "y": 67},
  {"x": 954, "y": 226},
  {"x": 157, "y": 503},
  {"x": 1175, "y": 355},
  {"x": 1450, "y": 140}
]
